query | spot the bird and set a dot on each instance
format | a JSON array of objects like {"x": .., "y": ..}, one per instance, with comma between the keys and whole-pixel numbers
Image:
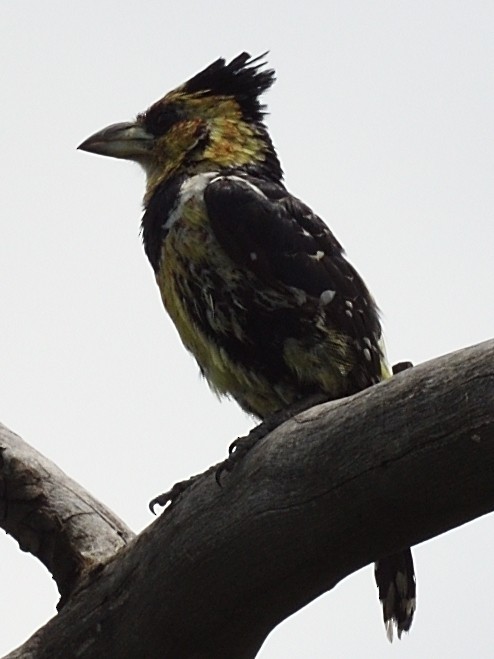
[{"x": 258, "y": 287}]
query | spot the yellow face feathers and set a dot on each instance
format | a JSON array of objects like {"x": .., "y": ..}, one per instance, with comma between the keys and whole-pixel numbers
[
  {"x": 213, "y": 121},
  {"x": 170, "y": 151},
  {"x": 207, "y": 133}
]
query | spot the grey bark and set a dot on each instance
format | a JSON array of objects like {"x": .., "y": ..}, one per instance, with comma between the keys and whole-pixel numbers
[
  {"x": 324, "y": 494},
  {"x": 53, "y": 517}
]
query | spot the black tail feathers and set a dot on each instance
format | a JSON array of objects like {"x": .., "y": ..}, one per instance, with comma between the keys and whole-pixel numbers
[{"x": 395, "y": 578}]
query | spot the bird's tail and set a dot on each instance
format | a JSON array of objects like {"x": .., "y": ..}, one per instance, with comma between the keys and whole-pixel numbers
[{"x": 395, "y": 578}]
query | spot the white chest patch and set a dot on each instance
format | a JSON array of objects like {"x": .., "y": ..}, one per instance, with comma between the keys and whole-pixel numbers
[{"x": 191, "y": 188}]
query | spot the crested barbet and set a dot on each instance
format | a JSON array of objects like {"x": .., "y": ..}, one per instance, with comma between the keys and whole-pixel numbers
[{"x": 257, "y": 286}]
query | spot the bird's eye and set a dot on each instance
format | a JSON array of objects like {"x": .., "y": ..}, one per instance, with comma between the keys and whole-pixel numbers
[{"x": 160, "y": 118}]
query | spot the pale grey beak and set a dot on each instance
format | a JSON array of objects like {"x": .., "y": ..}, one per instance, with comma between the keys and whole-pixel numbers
[{"x": 124, "y": 140}]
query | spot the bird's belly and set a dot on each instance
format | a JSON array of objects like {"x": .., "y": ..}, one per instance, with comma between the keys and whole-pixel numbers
[
  {"x": 201, "y": 292},
  {"x": 263, "y": 347}
]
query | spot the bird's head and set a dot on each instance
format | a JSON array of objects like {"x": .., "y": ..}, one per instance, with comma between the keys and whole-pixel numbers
[{"x": 213, "y": 121}]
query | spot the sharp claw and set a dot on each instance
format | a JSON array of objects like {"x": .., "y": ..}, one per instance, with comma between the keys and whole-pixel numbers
[
  {"x": 160, "y": 500},
  {"x": 218, "y": 474},
  {"x": 226, "y": 465},
  {"x": 169, "y": 498}
]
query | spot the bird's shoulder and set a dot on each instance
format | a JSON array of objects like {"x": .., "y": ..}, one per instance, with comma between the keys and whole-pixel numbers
[{"x": 266, "y": 229}]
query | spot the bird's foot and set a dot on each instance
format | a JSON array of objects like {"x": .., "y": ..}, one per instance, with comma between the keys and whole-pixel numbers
[
  {"x": 238, "y": 450},
  {"x": 242, "y": 445},
  {"x": 170, "y": 497}
]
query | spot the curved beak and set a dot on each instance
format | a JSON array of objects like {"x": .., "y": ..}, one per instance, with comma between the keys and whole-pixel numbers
[{"x": 124, "y": 140}]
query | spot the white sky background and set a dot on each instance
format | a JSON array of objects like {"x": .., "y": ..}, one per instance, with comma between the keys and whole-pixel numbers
[{"x": 383, "y": 118}]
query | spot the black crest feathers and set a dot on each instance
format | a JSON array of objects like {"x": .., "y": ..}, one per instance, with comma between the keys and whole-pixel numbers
[{"x": 241, "y": 79}]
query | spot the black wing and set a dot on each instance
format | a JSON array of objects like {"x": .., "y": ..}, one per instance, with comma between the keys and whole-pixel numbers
[{"x": 265, "y": 229}]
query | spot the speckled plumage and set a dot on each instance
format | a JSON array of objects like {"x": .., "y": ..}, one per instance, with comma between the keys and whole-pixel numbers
[
  {"x": 249, "y": 306},
  {"x": 256, "y": 284}
]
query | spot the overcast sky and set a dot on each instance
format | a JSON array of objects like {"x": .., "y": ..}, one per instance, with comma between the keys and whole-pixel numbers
[{"x": 383, "y": 118}]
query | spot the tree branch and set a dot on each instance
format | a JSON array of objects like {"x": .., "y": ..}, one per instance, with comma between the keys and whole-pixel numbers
[
  {"x": 53, "y": 517},
  {"x": 324, "y": 494}
]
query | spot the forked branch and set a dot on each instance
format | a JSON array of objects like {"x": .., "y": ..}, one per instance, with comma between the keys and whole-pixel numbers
[{"x": 327, "y": 492}]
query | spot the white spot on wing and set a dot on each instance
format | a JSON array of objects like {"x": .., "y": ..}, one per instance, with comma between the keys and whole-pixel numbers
[
  {"x": 327, "y": 296},
  {"x": 253, "y": 256}
]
